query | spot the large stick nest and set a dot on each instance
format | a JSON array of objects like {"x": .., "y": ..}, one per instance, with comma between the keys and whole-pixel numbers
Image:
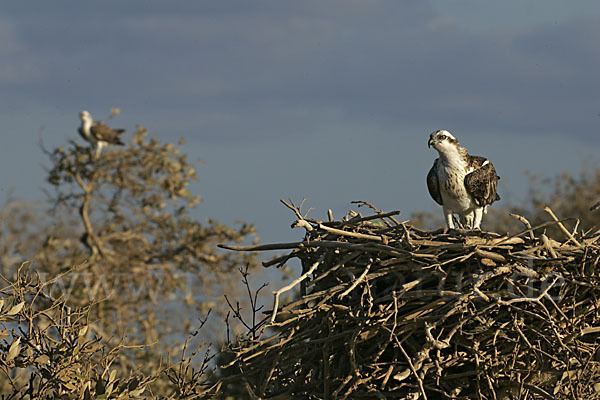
[{"x": 390, "y": 311}]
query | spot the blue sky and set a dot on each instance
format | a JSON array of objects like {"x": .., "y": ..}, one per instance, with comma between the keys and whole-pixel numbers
[{"x": 329, "y": 100}]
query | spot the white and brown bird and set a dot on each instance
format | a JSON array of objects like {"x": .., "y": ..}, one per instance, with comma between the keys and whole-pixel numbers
[
  {"x": 462, "y": 184},
  {"x": 98, "y": 133}
]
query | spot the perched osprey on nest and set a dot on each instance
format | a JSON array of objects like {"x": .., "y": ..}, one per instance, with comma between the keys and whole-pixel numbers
[
  {"x": 462, "y": 184},
  {"x": 98, "y": 133}
]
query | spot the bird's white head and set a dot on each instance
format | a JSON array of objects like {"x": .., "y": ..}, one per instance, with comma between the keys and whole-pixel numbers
[
  {"x": 443, "y": 141},
  {"x": 85, "y": 116}
]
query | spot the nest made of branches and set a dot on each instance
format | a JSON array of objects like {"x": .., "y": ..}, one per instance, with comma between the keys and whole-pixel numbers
[{"x": 390, "y": 311}]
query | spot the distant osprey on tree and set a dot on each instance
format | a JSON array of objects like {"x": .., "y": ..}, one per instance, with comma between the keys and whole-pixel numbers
[
  {"x": 98, "y": 133},
  {"x": 462, "y": 184}
]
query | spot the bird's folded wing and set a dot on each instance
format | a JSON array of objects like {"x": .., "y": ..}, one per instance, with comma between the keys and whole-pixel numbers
[
  {"x": 105, "y": 133},
  {"x": 433, "y": 183},
  {"x": 482, "y": 183}
]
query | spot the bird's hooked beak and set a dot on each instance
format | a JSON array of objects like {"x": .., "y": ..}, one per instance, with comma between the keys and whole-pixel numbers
[{"x": 430, "y": 143}]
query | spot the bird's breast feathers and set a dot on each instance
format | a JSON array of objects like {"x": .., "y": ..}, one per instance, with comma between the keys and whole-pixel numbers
[{"x": 452, "y": 182}]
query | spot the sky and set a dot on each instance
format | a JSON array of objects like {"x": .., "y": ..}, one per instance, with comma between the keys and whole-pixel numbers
[{"x": 332, "y": 100}]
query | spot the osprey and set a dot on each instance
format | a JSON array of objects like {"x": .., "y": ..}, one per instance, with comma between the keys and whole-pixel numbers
[
  {"x": 462, "y": 184},
  {"x": 98, "y": 133}
]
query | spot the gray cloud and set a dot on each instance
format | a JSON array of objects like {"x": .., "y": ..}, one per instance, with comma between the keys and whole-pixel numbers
[
  {"x": 263, "y": 84},
  {"x": 221, "y": 67}
]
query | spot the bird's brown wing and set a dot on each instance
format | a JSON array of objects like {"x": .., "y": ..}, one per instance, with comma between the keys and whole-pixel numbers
[
  {"x": 433, "y": 184},
  {"x": 106, "y": 134},
  {"x": 482, "y": 183}
]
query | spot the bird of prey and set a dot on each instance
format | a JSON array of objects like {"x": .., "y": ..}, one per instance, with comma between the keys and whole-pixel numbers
[
  {"x": 97, "y": 133},
  {"x": 462, "y": 184}
]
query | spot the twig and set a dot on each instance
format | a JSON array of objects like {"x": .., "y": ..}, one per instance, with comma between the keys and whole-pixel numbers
[
  {"x": 350, "y": 234},
  {"x": 525, "y": 222},
  {"x": 356, "y": 282},
  {"x": 548, "y": 246},
  {"x": 562, "y": 227},
  {"x": 289, "y": 287},
  {"x": 412, "y": 368}
]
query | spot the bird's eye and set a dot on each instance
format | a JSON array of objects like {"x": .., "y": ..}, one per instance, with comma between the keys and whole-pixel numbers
[{"x": 443, "y": 137}]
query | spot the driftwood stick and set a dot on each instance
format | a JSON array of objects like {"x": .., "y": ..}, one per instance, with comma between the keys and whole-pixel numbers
[
  {"x": 330, "y": 215},
  {"x": 540, "y": 226},
  {"x": 491, "y": 255},
  {"x": 357, "y": 281},
  {"x": 576, "y": 226},
  {"x": 548, "y": 245},
  {"x": 279, "y": 260},
  {"x": 350, "y": 234},
  {"x": 562, "y": 227},
  {"x": 525, "y": 222},
  {"x": 293, "y": 207},
  {"x": 372, "y": 207},
  {"x": 262, "y": 247},
  {"x": 302, "y": 223},
  {"x": 412, "y": 368},
  {"x": 289, "y": 287},
  {"x": 375, "y": 216},
  {"x": 370, "y": 247}
]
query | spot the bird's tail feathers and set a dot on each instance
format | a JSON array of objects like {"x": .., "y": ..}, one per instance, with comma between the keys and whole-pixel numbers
[{"x": 118, "y": 140}]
